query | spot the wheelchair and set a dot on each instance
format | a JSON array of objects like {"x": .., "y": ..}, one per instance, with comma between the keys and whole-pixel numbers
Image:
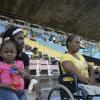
[
  {"x": 73, "y": 90},
  {"x": 63, "y": 89}
]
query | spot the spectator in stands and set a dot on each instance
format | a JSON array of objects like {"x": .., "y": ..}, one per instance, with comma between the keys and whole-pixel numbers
[
  {"x": 54, "y": 39},
  {"x": 45, "y": 57},
  {"x": 53, "y": 61},
  {"x": 11, "y": 23},
  {"x": 73, "y": 62},
  {"x": 25, "y": 31},
  {"x": 28, "y": 51},
  {"x": 32, "y": 37},
  {"x": 51, "y": 38},
  {"x": 35, "y": 53},
  {"x": 11, "y": 73}
]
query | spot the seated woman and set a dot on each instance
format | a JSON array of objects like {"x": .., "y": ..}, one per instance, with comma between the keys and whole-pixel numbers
[
  {"x": 35, "y": 53},
  {"x": 74, "y": 62},
  {"x": 28, "y": 51}
]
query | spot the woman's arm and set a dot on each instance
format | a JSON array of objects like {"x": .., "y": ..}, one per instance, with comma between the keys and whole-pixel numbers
[
  {"x": 9, "y": 87},
  {"x": 68, "y": 66},
  {"x": 91, "y": 73},
  {"x": 24, "y": 73},
  {"x": 91, "y": 69}
]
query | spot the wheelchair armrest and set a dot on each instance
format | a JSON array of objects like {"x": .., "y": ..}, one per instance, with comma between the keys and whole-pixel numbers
[
  {"x": 71, "y": 75},
  {"x": 69, "y": 80}
]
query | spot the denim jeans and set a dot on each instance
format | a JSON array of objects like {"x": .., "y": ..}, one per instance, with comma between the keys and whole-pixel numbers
[{"x": 10, "y": 95}]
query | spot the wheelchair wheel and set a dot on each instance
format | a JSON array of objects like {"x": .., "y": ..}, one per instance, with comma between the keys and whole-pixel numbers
[{"x": 58, "y": 88}]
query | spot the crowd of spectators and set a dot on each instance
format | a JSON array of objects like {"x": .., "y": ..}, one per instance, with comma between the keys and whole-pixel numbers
[{"x": 50, "y": 36}]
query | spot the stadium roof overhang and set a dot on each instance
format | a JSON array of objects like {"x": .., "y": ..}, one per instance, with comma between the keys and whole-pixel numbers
[{"x": 71, "y": 16}]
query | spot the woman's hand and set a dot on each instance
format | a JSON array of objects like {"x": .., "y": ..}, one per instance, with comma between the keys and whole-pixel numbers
[
  {"x": 91, "y": 81},
  {"x": 98, "y": 69}
]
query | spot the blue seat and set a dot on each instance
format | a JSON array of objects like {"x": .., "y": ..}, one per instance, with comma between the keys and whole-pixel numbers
[{"x": 97, "y": 55}]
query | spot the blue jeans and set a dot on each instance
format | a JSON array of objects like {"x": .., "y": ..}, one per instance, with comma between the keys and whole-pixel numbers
[{"x": 10, "y": 95}]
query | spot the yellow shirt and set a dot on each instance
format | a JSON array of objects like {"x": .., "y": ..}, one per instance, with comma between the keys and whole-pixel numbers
[
  {"x": 80, "y": 64},
  {"x": 35, "y": 56},
  {"x": 24, "y": 32}
]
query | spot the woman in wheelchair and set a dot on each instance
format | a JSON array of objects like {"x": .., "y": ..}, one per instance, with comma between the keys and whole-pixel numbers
[{"x": 74, "y": 62}]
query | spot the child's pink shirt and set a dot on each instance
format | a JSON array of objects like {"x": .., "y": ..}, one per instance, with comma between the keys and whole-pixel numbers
[{"x": 5, "y": 73}]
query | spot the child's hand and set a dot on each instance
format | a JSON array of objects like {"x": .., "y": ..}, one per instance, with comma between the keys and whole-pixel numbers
[
  {"x": 14, "y": 70},
  {"x": 14, "y": 67},
  {"x": 18, "y": 70}
]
